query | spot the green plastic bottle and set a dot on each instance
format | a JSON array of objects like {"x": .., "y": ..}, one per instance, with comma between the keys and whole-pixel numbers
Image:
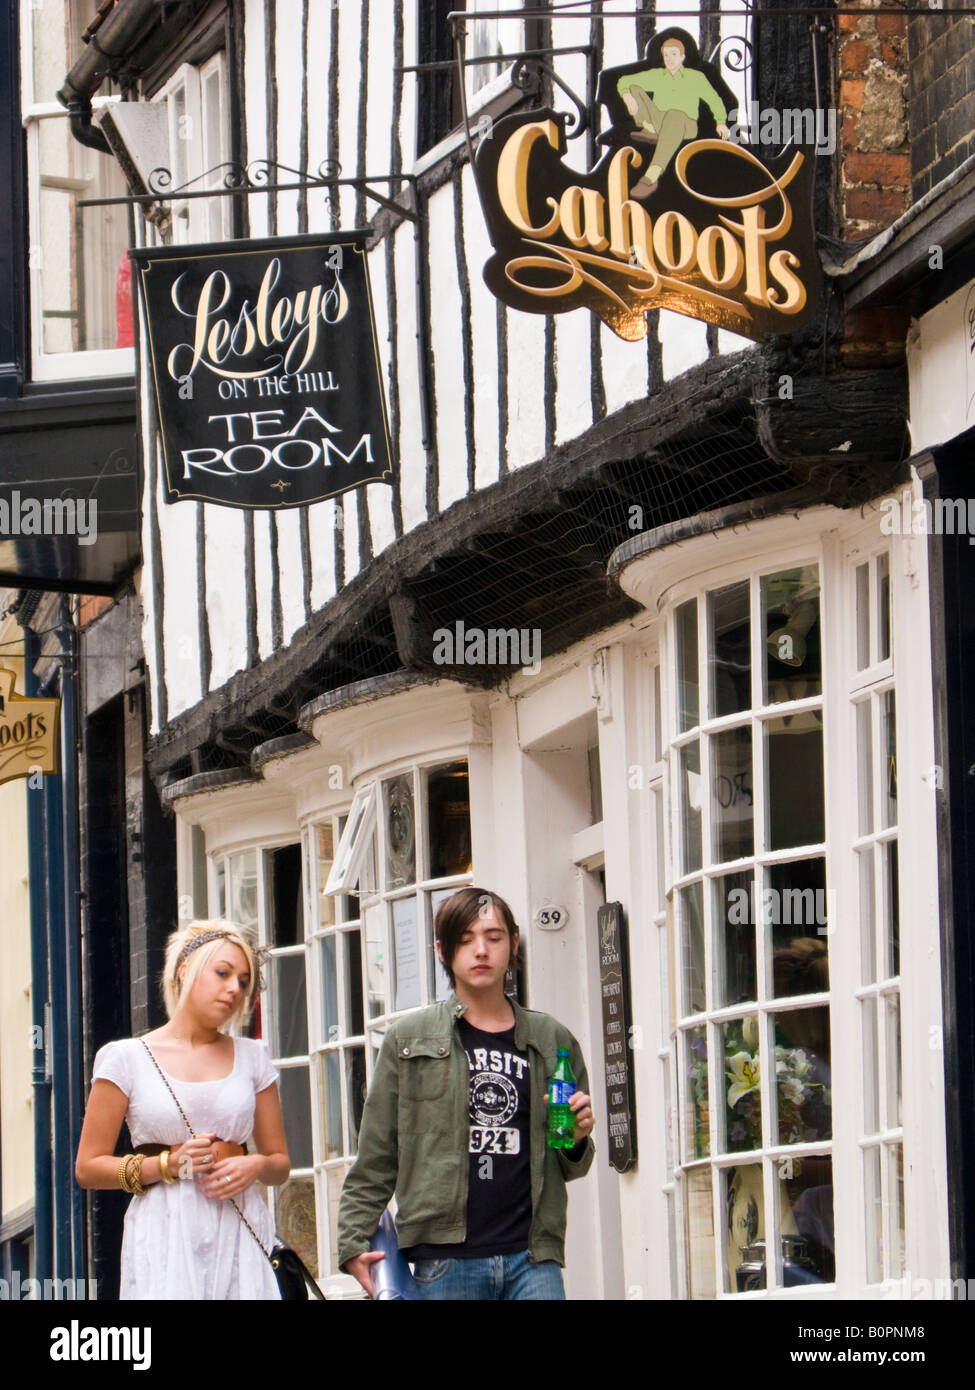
[{"x": 561, "y": 1088}]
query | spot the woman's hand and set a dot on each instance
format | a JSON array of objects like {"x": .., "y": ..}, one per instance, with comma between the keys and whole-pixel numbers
[
  {"x": 232, "y": 1176},
  {"x": 193, "y": 1158}
]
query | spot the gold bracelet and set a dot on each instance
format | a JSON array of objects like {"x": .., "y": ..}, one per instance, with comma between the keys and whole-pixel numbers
[
  {"x": 164, "y": 1172},
  {"x": 134, "y": 1178},
  {"x": 123, "y": 1181}
]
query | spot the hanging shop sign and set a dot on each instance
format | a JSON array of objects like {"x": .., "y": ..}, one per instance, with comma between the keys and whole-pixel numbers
[
  {"x": 678, "y": 214},
  {"x": 266, "y": 369},
  {"x": 614, "y": 984},
  {"x": 28, "y": 732}
]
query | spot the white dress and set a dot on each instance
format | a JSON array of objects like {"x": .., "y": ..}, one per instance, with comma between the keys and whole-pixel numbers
[{"x": 179, "y": 1243}]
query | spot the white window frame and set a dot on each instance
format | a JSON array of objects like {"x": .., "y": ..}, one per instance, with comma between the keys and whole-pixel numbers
[{"x": 197, "y": 219}]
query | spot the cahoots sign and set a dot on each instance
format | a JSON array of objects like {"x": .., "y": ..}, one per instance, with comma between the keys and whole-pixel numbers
[
  {"x": 266, "y": 369},
  {"x": 676, "y": 215},
  {"x": 28, "y": 731}
]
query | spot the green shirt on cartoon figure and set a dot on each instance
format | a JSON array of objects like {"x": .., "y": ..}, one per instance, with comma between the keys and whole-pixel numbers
[{"x": 664, "y": 102}]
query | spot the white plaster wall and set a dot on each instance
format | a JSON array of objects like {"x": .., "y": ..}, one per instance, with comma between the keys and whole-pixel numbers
[
  {"x": 255, "y": 105},
  {"x": 412, "y": 461},
  {"x": 289, "y": 569},
  {"x": 321, "y": 530},
  {"x": 262, "y": 580},
  {"x": 226, "y": 598},
  {"x": 484, "y": 339},
  {"x": 350, "y": 34},
  {"x": 445, "y": 325},
  {"x": 573, "y": 401},
  {"x": 941, "y": 370},
  {"x": 526, "y": 402},
  {"x": 380, "y": 495},
  {"x": 683, "y": 343},
  {"x": 287, "y": 66}
]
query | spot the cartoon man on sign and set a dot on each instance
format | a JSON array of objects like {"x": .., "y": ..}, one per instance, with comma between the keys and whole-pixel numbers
[{"x": 665, "y": 103}]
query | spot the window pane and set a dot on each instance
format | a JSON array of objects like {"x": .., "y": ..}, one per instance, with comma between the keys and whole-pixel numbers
[
  {"x": 243, "y": 890},
  {"x": 400, "y": 821},
  {"x": 331, "y": 1103},
  {"x": 795, "y": 910},
  {"x": 743, "y": 1101},
  {"x": 871, "y": 1066},
  {"x": 406, "y": 955},
  {"x": 888, "y": 744},
  {"x": 733, "y": 835},
  {"x": 289, "y": 1006},
  {"x": 745, "y": 1248},
  {"x": 863, "y": 616},
  {"x": 355, "y": 1081},
  {"x": 352, "y": 951},
  {"x": 864, "y": 720},
  {"x": 437, "y": 976},
  {"x": 794, "y": 780},
  {"x": 690, "y": 806},
  {"x": 449, "y": 820},
  {"x": 700, "y": 1234},
  {"x": 688, "y": 696},
  {"x": 734, "y": 920},
  {"x": 892, "y": 1026},
  {"x": 658, "y": 835},
  {"x": 805, "y": 1220},
  {"x": 325, "y": 837},
  {"x": 883, "y": 606},
  {"x": 790, "y": 612},
  {"x": 802, "y": 1076},
  {"x": 285, "y": 924},
  {"x": 868, "y": 921},
  {"x": 697, "y": 1136},
  {"x": 294, "y": 1218},
  {"x": 895, "y": 1186},
  {"x": 334, "y": 1178},
  {"x": 729, "y": 654},
  {"x": 874, "y": 1206},
  {"x": 296, "y": 1105},
  {"x": 375, "y": 943},
  {"x": 892, "y": 932},
  {"x": 330, "y": 1000},
  {"x": 692, "y": 949}
]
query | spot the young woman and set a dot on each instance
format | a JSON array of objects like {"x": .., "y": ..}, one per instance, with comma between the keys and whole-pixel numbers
[{"x": 183, "y": 1237}]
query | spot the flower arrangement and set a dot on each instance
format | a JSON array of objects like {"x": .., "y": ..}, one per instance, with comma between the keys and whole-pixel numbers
[{"x": 803, "y": 1098}]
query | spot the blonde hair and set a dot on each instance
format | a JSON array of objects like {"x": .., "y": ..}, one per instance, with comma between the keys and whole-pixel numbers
[{"x": 199, "y": 956}]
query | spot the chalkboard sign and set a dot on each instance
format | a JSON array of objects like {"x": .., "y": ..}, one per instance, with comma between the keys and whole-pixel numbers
[
  {"x": 614, "y": 981},
  {"x": 266, "y": 369}
]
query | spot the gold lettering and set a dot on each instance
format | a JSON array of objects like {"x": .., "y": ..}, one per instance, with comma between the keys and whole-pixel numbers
[
  {"x": 587, "y": 229},
  {"x": 781, "y": 264},
  {"x": 513, "y": 177},
  {"x": 664, "y": 242},
  {"x": 707, "y": 246},
  {"x": 629, "y": 226}
]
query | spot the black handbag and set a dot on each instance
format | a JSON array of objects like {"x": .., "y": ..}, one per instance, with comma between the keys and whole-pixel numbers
[{"x": 296, "y": 1283}]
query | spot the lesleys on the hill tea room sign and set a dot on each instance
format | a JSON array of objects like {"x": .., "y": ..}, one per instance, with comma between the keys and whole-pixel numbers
[{"x": 266, "y": 369}]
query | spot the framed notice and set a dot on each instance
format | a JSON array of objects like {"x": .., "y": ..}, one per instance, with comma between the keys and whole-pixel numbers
[
  {"x": 266, "y": 369},
  {"x": 614, "y": 985}
]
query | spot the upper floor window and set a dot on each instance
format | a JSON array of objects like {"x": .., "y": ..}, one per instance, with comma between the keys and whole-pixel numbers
[
  {"x": 195, "y": 101},
  {"x": 492, "y": 39},
  {"x": 80, "y": 282}
]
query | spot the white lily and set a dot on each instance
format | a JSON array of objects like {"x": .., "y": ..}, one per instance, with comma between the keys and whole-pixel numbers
[{"x": 742, "y": 1071}]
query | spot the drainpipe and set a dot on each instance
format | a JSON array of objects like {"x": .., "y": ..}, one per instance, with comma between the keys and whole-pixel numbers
[
  {"x": 40, "y": 1009},
  {"x": 71, "y": 893},
  {"x": 111, "y": 42}
]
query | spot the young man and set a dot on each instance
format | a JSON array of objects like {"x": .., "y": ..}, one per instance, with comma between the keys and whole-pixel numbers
[
  {"x": 665, "y": 102},
  {"x": 455, "y": 1124}
]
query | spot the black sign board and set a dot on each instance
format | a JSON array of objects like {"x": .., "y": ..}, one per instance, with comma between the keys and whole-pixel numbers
[
  {"x": 266, "y": 369},
  {"x": 614, "y": 980},
  {"x": 684, "y": 211}
]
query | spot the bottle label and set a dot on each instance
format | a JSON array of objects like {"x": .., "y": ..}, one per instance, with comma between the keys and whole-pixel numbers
[{"x": 560, "y": 1092}]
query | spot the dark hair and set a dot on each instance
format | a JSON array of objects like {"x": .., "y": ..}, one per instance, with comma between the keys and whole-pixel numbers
[{"x": 456, "y": 914}]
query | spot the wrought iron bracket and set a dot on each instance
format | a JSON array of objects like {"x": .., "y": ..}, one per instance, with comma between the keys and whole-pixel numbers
[{"x": 262, "y": 176}]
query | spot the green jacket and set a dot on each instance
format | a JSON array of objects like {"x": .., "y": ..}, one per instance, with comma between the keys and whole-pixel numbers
[
  {"x": 413, "y": 1139},
  {"x": 677, "y": 91}
]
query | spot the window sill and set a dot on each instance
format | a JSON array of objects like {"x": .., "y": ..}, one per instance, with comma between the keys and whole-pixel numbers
[
  {"x": 492, "y": 102},
  {"x": 82, "y": 366}
]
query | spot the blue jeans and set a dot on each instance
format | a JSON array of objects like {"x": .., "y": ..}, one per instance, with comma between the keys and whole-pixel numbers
[{"x": 496, "y": 1278}]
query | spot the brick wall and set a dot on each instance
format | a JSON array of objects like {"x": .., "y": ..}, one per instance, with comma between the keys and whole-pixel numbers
[
  {"x": 874, "y": 170},
  {"x": 942, "y": 66}
]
